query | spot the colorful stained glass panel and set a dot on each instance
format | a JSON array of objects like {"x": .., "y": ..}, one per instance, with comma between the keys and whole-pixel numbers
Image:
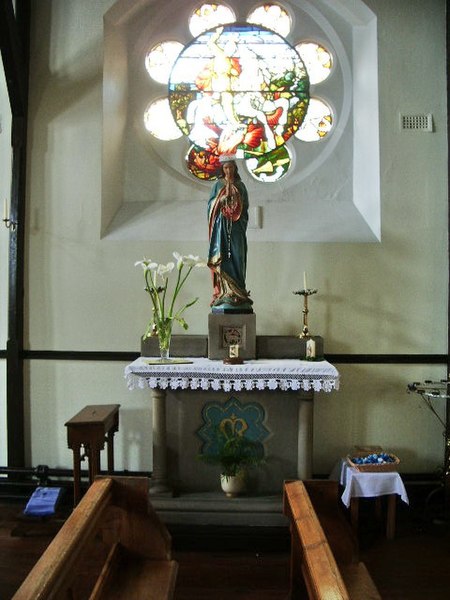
[
  {"x": 317, "y": 59},
  {"x": 239, "y": 89},
  {"x": 159, "y": 122},
  {"x": 208, "y": 16},
  {"x": 272, "y": 166},
  {"x": 160, "y": 60},
  {"x": 272, "y": 16},
  {"x": 318, "y": 121},
  {"x": 203, "y": 163}
]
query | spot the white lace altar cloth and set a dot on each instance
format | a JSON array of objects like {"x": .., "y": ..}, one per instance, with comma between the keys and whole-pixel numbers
[{"x": 205, "y": 374}]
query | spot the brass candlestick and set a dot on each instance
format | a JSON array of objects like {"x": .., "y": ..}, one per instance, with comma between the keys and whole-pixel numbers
[{"x": 305, "y": 293}]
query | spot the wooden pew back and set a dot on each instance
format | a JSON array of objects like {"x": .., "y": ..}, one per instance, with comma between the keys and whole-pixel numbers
[
  {"x": 116, "y": 519},
  {"x": 324, "y": 563},
  {"x": 313, "y": 567}
]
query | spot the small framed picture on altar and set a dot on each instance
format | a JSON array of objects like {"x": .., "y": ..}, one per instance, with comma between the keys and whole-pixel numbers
[{"x": 229, "y": 333}]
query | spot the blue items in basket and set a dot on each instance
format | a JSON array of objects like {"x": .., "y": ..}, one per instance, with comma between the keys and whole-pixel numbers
[
  {"x": 42, "y": 502},
  {"x": 373, "y": 459}
]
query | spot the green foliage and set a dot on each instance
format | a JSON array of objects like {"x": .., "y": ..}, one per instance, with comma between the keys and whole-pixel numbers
[{"x": 234, "y": 452}]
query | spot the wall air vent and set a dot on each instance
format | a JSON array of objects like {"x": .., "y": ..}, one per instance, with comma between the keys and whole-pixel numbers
[{"x": 417, "y": 122}]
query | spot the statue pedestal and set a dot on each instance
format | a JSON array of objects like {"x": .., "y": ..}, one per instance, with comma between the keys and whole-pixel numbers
[{"x": 229, "y": 329}]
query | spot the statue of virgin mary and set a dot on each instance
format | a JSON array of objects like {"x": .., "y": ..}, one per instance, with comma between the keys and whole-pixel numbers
[{"x": 227, "y": 258}]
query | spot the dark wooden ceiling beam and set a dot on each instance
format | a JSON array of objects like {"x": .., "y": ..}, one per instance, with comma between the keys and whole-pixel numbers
[{"x": 13, "y": 58}]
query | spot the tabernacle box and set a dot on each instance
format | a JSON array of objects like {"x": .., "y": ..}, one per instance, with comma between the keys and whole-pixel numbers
[{"x": 229, "y": 329}]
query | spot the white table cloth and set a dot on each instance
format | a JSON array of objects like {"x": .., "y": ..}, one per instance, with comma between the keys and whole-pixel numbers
[
  {"x": 358, "y": 484},
  {"x": 306, "y": 377},
  {"x": 205, "y": 374}
]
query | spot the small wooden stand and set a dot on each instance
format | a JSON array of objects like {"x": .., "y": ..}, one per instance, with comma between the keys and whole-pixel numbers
[{"x": 90, "y": 428}]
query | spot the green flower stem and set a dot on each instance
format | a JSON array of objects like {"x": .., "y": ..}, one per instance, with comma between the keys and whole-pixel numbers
[
  {"x": 181, "y": 311},
  {"x": 163, "y": 303},
  {"x": 152, "y": 291},
  {"x": 178, "y": 287}
]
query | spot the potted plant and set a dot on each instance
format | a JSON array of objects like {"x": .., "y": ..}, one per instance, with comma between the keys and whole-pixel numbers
[{"x": 235, "y": 453}]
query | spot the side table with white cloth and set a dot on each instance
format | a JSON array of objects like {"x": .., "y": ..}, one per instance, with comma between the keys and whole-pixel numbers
[
  {"x": 304, "y": 377},
  {"x": 367, "y": 484}
]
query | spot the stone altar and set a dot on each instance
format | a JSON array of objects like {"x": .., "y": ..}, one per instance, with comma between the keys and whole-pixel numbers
[{"x": 284, "y": 387}]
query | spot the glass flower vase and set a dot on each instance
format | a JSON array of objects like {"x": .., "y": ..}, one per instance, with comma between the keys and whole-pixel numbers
[{"x": 164, "y": 337}]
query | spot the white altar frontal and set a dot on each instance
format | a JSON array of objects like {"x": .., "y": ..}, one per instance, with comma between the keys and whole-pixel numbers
[{"x": 273, "y": 396}]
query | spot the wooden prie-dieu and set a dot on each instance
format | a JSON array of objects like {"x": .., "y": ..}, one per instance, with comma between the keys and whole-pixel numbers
[{"x": 90, "y": 428}]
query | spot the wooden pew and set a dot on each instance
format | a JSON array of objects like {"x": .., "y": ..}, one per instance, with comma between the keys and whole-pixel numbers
[
  {"x": 324, "y": 566},
  {"x": 113, "y": 545}
]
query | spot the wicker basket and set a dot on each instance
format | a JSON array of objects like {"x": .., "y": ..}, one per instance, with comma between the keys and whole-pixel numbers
[{"x": 376, "y": 467}]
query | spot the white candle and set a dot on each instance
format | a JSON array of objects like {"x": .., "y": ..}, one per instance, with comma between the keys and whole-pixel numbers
[
  {"x": 305, "y": 287},
  {"x": 5, "y": 210},
  {"x": 311, "y": 349}
]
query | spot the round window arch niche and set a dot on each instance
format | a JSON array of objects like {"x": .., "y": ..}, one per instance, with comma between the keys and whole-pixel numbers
[{"x": 332, "y": 190}]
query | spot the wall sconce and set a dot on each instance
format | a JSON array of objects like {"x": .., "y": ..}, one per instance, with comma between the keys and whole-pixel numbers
[{"x": 9, "y": 224}]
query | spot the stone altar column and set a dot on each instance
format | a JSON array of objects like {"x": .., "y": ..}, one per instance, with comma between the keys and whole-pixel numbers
[
  {"x": 159, "y": 483},
  {"x": 305, "y": 435}
]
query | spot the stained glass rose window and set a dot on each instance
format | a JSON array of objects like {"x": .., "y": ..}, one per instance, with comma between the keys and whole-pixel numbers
[{"x": 239, "y": 89}]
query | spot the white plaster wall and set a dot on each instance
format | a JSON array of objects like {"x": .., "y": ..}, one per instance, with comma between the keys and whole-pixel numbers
[
  {"x": 59, "y": 389},
  {"x": 83, "y": 293},
  {"x": 373, "y": 407}
]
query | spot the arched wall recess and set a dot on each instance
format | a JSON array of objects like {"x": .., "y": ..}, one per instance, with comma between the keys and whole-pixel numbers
[{"x": 331, "y": 194}]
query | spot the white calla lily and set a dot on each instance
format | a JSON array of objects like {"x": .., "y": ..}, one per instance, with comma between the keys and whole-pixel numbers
[
  {"x": 177, "y": 256},
  {"x": 146, "y": 264},
  {"x": 163, "y": 317},
  {"x": 164, "y": 270},
  {"x": 194, "y": 261}
]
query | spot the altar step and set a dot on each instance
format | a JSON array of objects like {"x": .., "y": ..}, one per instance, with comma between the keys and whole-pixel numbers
[{"x": 214, "y": 508}]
